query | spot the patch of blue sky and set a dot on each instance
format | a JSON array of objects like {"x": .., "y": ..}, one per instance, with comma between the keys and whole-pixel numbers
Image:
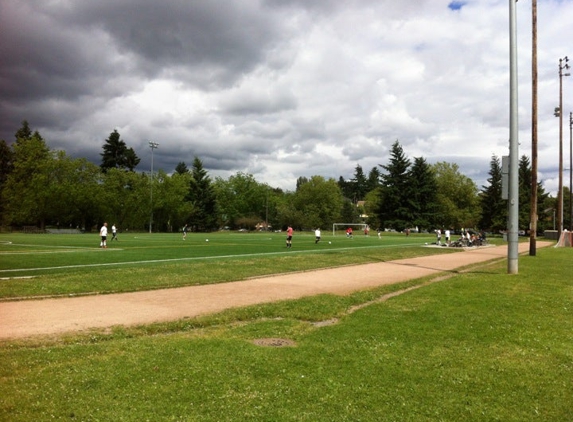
[{"x": 457, "y": 4}]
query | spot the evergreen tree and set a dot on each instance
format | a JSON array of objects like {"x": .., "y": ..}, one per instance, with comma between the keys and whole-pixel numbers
[
  {"x": 524, "y": 192},
  {"x": 356, "y": 188},
  {"x": 25, "y": 133},
  {"x": 423, "y": 186},
  {"x": 181, "y": 168},
  {"x": 394, "y": 208},
  {"x": 6, "y": 164},
  {"x": 349, "y": 212},
  {"x": 345, "y": 187},
  {"x": 301, "y": 181},
  {"x": 359, "y": 184},
  {"x": 493, "y": 207},
  {"x": 525, "y": 196},
  {"x": 373, "y": 179},
  {"x": 6, "y": 167},
  {"x": 202, "y": 197},
  {"x": 116, "y": 154}
]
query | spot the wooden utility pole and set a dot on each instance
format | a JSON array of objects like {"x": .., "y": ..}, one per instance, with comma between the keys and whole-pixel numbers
[{"x": 533, "y": 211}]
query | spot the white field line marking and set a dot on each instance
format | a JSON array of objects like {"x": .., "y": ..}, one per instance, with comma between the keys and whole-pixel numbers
[
  {"x": 48, "y": 246},
  {"x": 16, "y": 278},
  {"x": 53, "y": 252},
  {"x": 199, "y": 258}
]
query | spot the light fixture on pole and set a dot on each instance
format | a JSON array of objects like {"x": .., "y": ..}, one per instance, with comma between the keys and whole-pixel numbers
[
  {"x": 563, "y": 65},
  {"x": 152, "y": 145}
]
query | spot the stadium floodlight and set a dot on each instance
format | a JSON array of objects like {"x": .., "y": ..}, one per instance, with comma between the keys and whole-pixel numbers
[{"x": 152, "y": 145}]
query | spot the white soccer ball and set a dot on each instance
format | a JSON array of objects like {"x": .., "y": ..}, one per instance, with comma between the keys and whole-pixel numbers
[
  {"x": 330, "y": 243},
  {"x": 206, "y": 240}
]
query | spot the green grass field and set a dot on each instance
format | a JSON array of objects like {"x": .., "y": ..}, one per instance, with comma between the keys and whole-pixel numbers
[
  {"x": 40, "y": 265},
  {"x": 478, "y": 346},
  {"x": 52, "y": 252}
]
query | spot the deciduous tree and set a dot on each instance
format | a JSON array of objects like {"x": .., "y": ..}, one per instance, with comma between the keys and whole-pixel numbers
[
  {"x": 457, "y": 197},
  {"x": 241, "y": 197},
  {"x": 28, "y": 188}
]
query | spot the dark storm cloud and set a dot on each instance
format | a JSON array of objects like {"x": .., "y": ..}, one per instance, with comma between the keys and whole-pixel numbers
[
  {"x": 213, "y": 41},
  {"x": 62, "y": 51}
]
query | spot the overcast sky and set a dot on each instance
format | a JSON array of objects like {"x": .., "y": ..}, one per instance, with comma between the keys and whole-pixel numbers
[{"x": 284, "y": 88}]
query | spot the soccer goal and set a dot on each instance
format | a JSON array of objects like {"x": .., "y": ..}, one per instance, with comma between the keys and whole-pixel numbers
[
  {"x": 566, "y": 239},
  {"x": 340, "y": 228}
]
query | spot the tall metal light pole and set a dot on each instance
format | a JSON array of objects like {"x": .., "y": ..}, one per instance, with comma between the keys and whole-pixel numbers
[
  {"x": 152, "y": 145},
  {"x": 563, "y": 65},
  {"x": 533, "y": 211},
  {"x": 513, "y": 203}
]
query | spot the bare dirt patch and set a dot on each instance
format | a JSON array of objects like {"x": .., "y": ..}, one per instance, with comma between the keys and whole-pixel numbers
[{"x": 274, "y": 342}]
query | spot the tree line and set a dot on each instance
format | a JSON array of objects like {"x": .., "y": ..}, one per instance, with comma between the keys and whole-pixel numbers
[{"x": 43, "y": 187}]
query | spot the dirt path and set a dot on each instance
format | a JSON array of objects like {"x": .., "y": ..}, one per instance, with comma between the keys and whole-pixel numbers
[{"x": 55, "y": 316}]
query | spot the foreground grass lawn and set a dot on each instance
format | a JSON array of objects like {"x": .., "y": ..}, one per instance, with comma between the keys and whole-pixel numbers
[{"x": 479, "y": 346}]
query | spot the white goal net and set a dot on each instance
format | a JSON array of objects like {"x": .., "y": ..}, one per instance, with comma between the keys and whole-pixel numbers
[{"x": 357, "y": 228}]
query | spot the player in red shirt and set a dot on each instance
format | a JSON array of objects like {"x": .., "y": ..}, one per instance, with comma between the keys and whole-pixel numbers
[{"x": 289, "y": 237}]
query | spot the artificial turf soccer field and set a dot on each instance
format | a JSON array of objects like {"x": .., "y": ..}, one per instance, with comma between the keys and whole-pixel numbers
[{"x": 37, "y": 254}]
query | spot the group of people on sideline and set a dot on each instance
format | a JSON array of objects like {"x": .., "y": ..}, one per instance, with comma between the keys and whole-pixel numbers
[{"x": 467, "y": 238}]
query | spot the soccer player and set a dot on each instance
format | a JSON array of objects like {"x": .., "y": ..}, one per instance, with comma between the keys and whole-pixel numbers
[
  {"x": 317, "y": 235},
  {"x": 185, "y": 231},
  {"x": 103, "y": 235},
  {"x": 289, "y": 237},
  {"x": 114, "y": 233}
]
